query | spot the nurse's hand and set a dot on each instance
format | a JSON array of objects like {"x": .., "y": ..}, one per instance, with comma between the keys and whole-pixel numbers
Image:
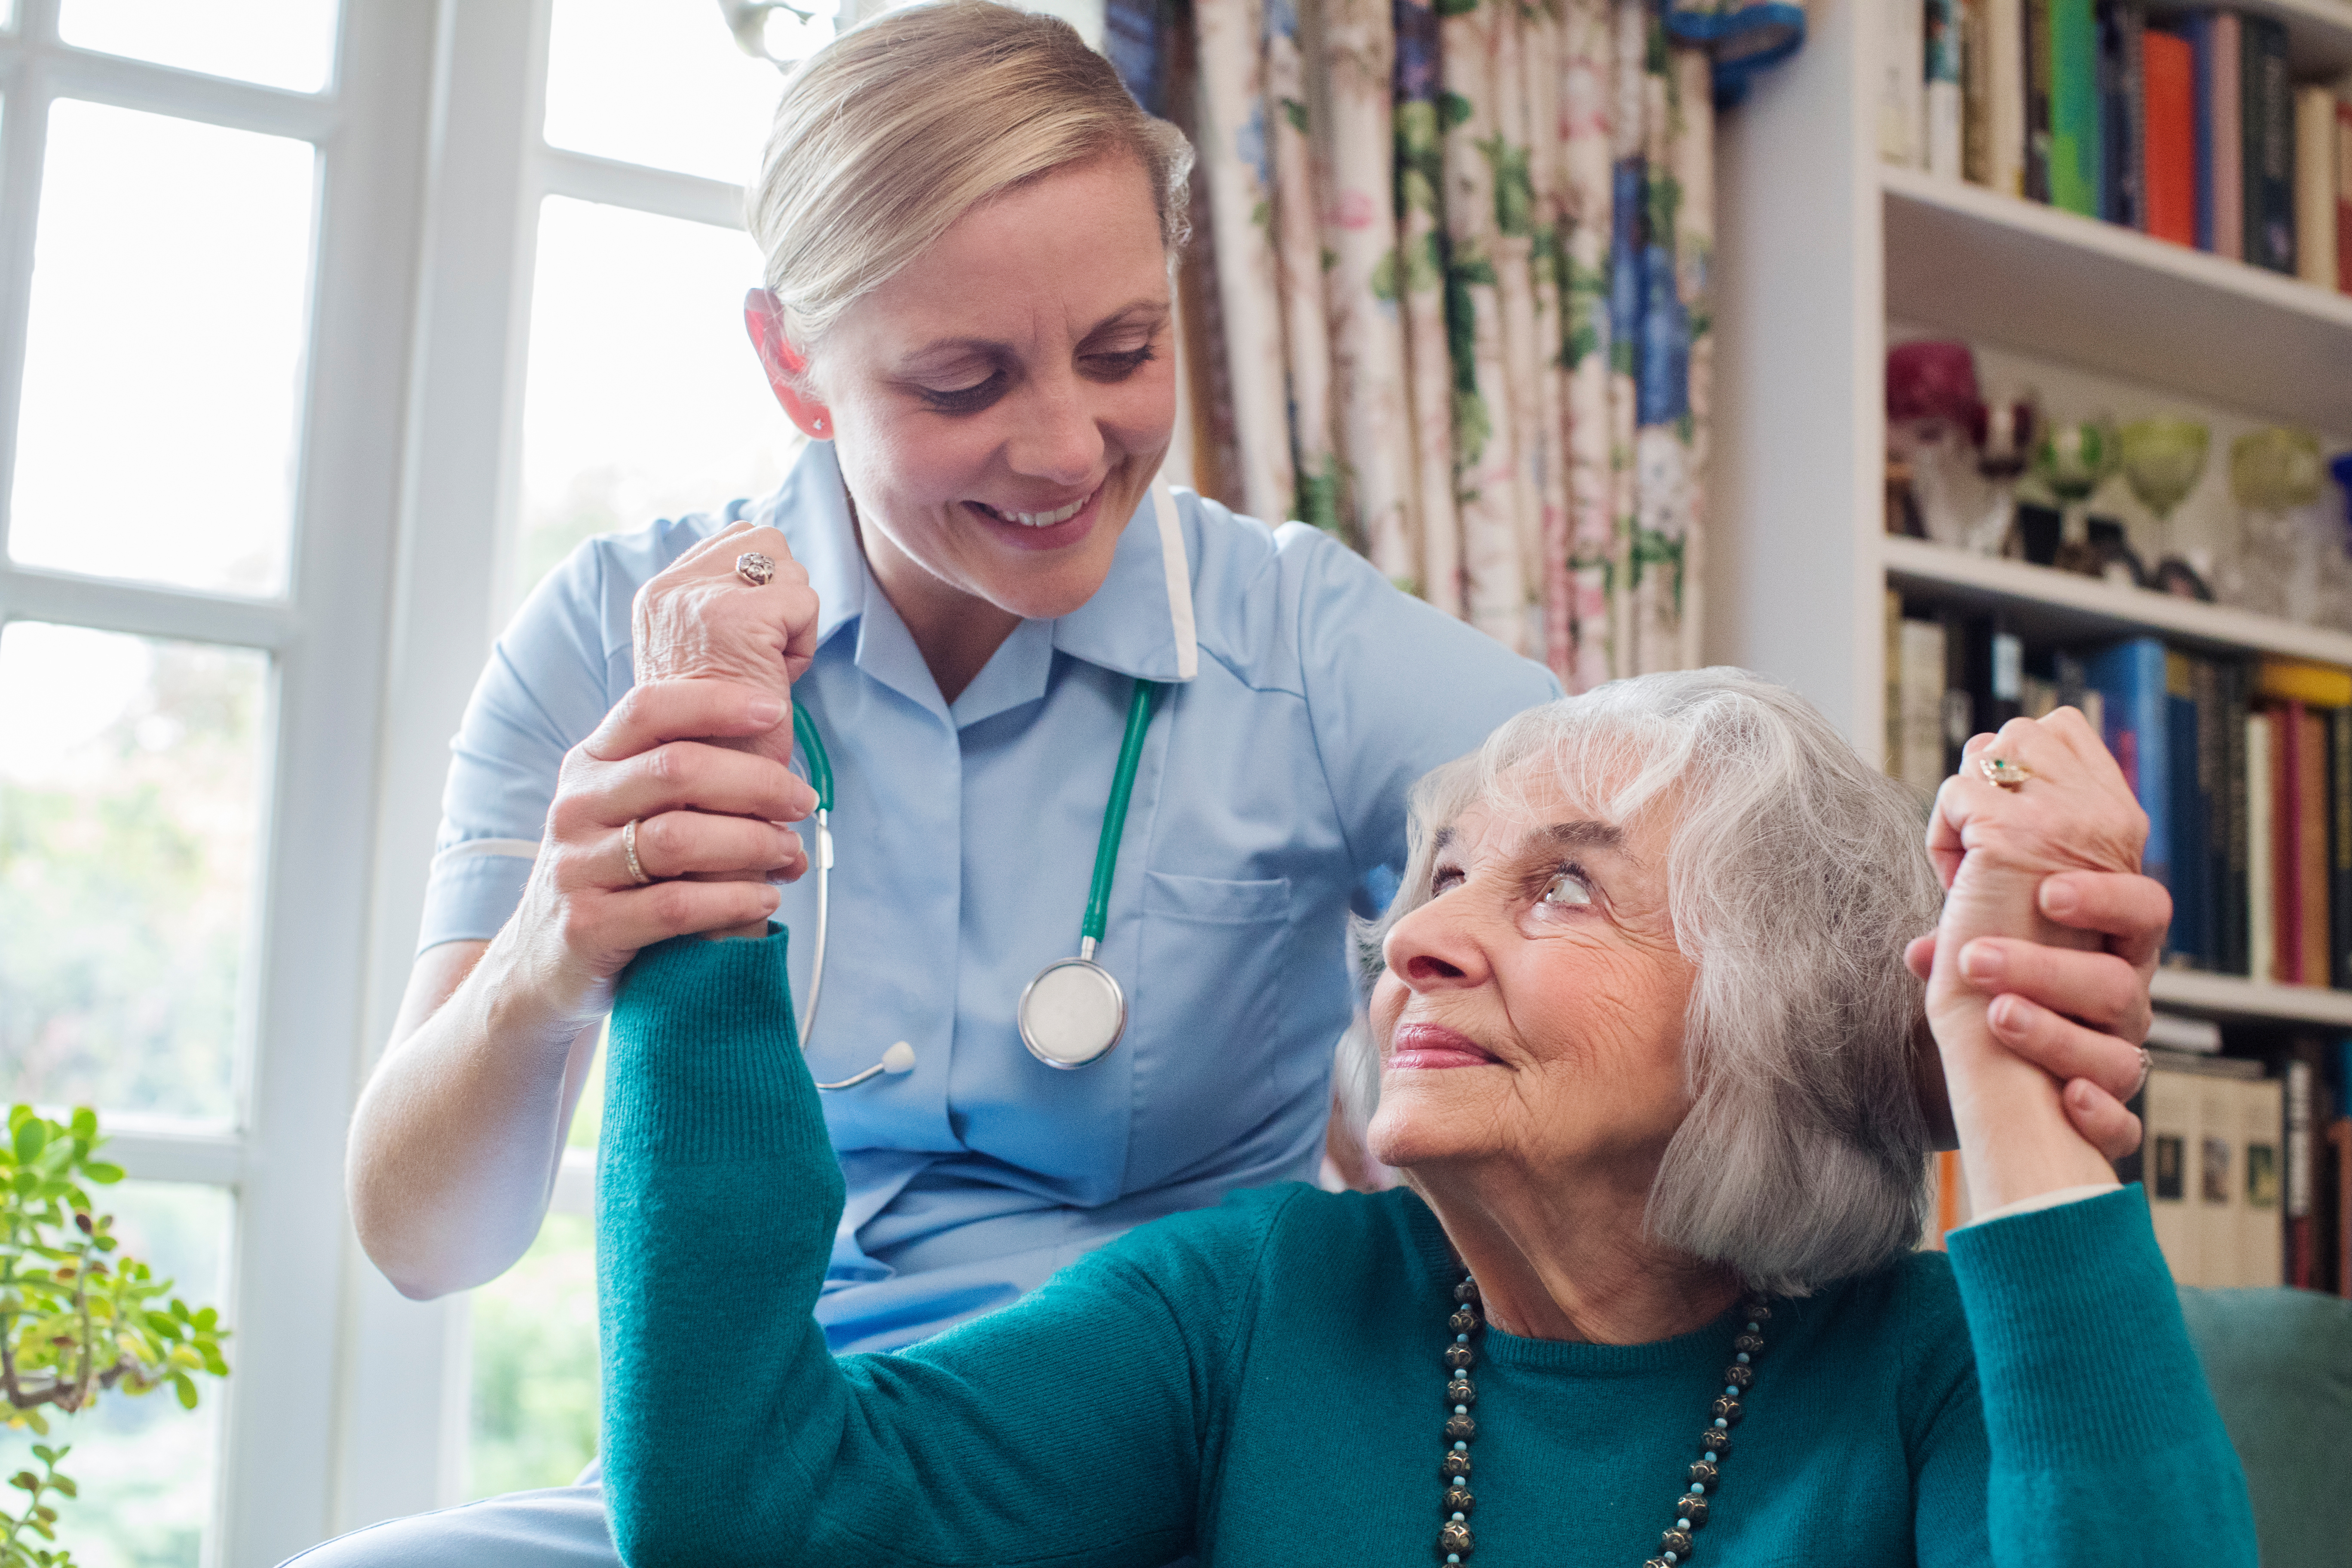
[
  {"x": 698, "y": 620},
  {"x": 661, "y": 759}
]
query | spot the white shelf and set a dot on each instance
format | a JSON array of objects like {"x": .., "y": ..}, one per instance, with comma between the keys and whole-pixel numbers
[
  {"x": 2226, "y": 996},
  {"x": 2043, "y": 602},
  {"x": 1965, "y": 260}
]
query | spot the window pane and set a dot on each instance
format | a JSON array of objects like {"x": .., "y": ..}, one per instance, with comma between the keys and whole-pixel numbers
[
  {"x": 660, "y": 82},
  {"x": 535, "y": 1375},
  {"x": 130, "y": 784},
  {"x": 642, "y": 398},
  {"x": 278, "y": 43},
  {"x": 145, "y": 1467},
  {"x": 163, "y": 360}
]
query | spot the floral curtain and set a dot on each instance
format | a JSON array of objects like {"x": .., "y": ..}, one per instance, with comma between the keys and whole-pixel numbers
[{"x": 1448, "y": 298}]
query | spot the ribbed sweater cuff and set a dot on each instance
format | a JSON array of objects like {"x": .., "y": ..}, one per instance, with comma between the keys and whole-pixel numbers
[
  {"x": 2071, "y": 1310},
  {"x": 705, "y": 1064}
]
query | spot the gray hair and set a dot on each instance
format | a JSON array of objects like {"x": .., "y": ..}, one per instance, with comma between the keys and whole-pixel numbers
[{"x": 1795, "y": 876}]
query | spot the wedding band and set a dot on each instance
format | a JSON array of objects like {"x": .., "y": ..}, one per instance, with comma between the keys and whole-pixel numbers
[
  {"x": 2007, "y": 773},
  {"x": 629, "y": 848},
  {"x": 2146, "y": 1065},
  {"x": 754, "y": 568}
]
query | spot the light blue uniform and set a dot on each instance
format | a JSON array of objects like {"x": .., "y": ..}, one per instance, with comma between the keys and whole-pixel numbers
[{"x": 1270, "y": 801}]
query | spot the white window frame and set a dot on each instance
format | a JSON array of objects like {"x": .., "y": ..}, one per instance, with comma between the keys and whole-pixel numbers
[{"x": 325, "y": 636}]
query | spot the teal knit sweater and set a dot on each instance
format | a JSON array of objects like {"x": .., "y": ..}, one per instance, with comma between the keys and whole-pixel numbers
[{"x": 1261, "y": 1383}]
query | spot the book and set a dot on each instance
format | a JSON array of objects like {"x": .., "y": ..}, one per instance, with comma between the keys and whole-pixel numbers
[
  {"x": 2344, "y": 196},
  {"x": 1976, "y": 92},
  {"x": 2033, "y": 32},
  {"x": 2266, "y": 104},
  {"x": 1890, "y": 703},
  {"x": 2300, "y": 1153},
  {"x": 2076, "y": 146},
  {"x": 2314, "y": 185},
  {"x": 2168, "y": 1118},
  {"x": 2262, "y": 856},
  {"x": 2340, "y": 848},
  {"x": 2286, "y": 847},
  {"x": 2197, "y": 29},
  {"x": 2122, "y": 125},
  {"x": 1902, "y": 85},
  {"x": 2339, "y": 1142},
  {"x": 2214, "y": 1171},
  {"x": 2168, "y": 170},
  {"x": 2260, "y": 1227},
  {"x": 2185, "y": 944},
  {"x": 2005, "y": 95},
  {"x": 2294, "y": 680},
  {"x": 2129, "y": 679},
  {"x": 2224, "y": 65},
  {"x": 1941, "y": 106},
  {"x": 2233, "y": 682},
  {"x": 2312, "y": 872},
  {"x": 1921, "y": 762}
]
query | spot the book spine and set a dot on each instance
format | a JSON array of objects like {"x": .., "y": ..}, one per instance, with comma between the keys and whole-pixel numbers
[
  {"x": 1890, "y": 703},
  {"x": 2229, "y": 879},
  {"x": 2302, "y": 1154},
  {"x": 2134, "y": 113},
  {"x": 2005, "y": 86},
  {"x": 2261, "y": 1211},
  {"x": 2169, "y": 1114},
  {"x": 2261, "y": 858},
  {"x": 2075, "y": 138},
  {"x": 1976, "y": 92},
  {"x": 2184, "y": 944},
  {"x": 2344, "y": 201},
  {"x": 1922, "y": 707},
  {"x": 2198, "y": 30},
  {"x": 2210, "y": 803},
  {"x": 2340, "y": 848},
  {"x": 2286, "y": 852},
  {"x": 2129, "y": 678},
  {"x": 2036, "y": 31},
  {"x": 2168, "y": 166},
  {"x": 2229, "y": 139},
  {"x": 2218, "y": 1202},
  {"x": 2312, "y": 872},
  {"x": 2268, "y": 109},
  {"x": 2122, "y": 129},
  {"x": 1903, "y": 85},
  {"x": 1943, "y": 87},
  {"x": 2314, "y": 185}
]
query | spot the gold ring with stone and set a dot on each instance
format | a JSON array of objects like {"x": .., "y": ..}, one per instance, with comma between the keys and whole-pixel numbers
[
  {"x": 2006, "y": 772},
  {"x": 755, "y": 568},
  {"x": 629, "y": 848}
]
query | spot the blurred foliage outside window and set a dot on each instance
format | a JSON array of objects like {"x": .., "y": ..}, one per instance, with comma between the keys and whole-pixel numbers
[{"x": 535, "y": 1377}]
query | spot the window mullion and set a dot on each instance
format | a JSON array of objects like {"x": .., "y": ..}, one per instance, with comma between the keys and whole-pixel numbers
[{"x": 24, "y": 143}]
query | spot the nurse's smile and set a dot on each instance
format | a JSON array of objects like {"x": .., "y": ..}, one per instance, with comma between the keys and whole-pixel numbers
[{"x": 1040, "y": 527}]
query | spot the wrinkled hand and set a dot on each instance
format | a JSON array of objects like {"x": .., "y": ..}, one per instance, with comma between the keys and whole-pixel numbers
[
  {"x": 1995, "y": 848},
  {"x": 2079, "y": 1016},
  {"x": 698, "y": 620}
]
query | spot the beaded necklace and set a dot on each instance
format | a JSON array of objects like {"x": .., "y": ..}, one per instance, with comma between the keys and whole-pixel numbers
[{"x": 1453, "y": 1537}]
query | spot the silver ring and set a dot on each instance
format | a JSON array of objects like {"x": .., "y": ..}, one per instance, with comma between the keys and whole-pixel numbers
[
  {"x": 755, "y": 568},
  {"x": 629, "y": 848},
  {"x": 2146, "y": 1065}
]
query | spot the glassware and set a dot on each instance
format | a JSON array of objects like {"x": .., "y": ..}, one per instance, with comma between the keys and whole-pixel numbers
[
  {"x": 2162, "y": 460},
  {"x": 2074, "y": 460},
  {"x": 1932, "y": 412},
  {"x": 2287, "y": 565},
  {"x": 2004, "y": 450}
]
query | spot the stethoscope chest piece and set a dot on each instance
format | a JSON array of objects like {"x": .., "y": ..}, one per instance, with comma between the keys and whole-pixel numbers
[{"x": 1072, "y": 1014}]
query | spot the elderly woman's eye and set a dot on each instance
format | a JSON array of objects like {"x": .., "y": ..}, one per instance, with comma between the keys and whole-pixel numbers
[
  {"x": 1567, "y": 887},
  {"x": 1443, "y": 878}
]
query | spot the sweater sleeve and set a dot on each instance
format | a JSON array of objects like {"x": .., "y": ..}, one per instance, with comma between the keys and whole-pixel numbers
[
  {"x": 2101, "y": 1441},
  {"x": 1067, "y": 1429}
]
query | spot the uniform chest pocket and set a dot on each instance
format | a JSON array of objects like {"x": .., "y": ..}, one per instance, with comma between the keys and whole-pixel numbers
[{"x": 1214, "y": 901}]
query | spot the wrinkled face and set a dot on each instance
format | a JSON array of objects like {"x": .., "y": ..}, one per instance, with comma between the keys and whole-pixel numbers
[
  {"x": 1001, "y": 406},
  {"x": 1531, "y": 1012}
]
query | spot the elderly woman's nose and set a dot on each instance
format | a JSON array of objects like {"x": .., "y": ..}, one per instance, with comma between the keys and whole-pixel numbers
[
  {"x": 1060, "y": 441},
  {"x": 1431, "y": 950}
]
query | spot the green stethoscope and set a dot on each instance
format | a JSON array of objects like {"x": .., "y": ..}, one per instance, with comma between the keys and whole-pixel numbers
[{"x": 1074, "y": 1012}]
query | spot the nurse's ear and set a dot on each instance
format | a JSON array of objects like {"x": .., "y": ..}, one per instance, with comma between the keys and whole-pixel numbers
[{"x": 764, "y": 318}]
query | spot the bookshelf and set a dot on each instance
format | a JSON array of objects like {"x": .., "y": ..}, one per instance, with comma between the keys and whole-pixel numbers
[{"x": 1824, "y": 256}]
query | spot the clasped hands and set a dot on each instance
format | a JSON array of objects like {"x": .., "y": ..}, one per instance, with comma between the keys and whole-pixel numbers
[{"x": 2038, "y": 971}]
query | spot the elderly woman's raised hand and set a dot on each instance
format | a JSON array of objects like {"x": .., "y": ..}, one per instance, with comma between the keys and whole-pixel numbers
[
  {"x": 702, "y": 619},
  {"x": 2040, "y": 820}
]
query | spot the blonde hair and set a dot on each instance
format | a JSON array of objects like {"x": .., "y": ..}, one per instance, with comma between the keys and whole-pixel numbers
[{"x": 892, "y": 131}]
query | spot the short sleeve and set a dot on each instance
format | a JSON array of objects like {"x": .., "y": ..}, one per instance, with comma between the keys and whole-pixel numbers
[
  {"x": 553, "y": 676},
  {"x": 1395, "y": 687}
]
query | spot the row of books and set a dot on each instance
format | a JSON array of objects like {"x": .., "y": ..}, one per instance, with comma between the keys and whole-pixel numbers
[
  {"x": 2244, "y": 765},
  {"x": 2246, "y": 1158},
  {"x": 2186, "y": 127}
]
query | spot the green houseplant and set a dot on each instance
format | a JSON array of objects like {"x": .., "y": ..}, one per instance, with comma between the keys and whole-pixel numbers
[{"x": 78, "y": 1320}]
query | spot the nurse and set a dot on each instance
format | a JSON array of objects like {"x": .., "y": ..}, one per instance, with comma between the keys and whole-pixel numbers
[{"x": 968, "y": 578}]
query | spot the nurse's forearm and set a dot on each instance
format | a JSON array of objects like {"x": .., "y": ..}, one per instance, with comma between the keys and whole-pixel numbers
[{"x": 456, "y": 1142}]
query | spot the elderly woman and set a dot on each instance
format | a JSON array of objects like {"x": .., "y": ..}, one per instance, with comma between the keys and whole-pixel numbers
[{"x": 1650, "y": 1068}]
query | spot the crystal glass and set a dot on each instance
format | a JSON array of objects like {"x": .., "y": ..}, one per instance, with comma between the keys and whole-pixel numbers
[
  {"x": 642, "y": 398},
  {"x": 2163, "y": 459},
  {"x": 277, "y": 43},
  {"x": 2276, "y": 469},
  {"x": 663, "y": 83},
  {"x": 2074, "y": 460},
  {"x": 164, "y": 351},
  {"x": 131, "y": 808},
  {"x": 147, "y": 1468},
  {"x": 2289, "y": 561}
]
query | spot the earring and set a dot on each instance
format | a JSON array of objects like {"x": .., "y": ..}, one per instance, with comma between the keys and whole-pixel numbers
[{"x": 820, "y": 424}]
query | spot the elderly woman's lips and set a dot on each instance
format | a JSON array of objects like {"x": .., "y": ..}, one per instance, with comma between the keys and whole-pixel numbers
[{"x": 1422, "y": 1047}]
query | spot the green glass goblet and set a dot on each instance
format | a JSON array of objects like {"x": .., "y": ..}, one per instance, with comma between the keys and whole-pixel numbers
[
  {"x": 2163, "y": 459},
  {"x": 2073, "y": 459},
  {"x": 2276, "y": 469}
]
